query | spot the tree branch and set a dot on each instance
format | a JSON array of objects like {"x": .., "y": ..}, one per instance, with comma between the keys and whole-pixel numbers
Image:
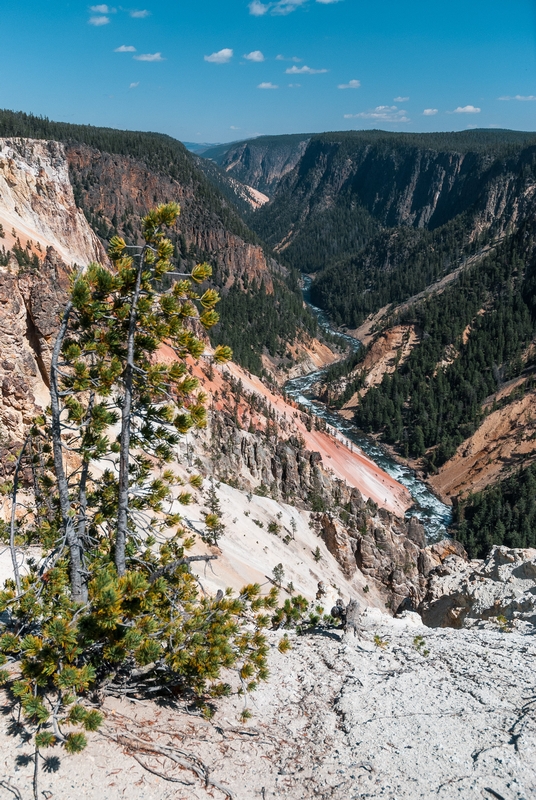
[{"x": 174, "y": 564}]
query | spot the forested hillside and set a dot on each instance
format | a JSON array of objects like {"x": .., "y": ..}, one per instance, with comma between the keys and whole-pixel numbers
[
  {"x": 482, "y": 324},
  {"x": 118, "y": 175},
  {"x": 380, "y": 216},
  {"x": 503, "y": 514},
  {"x": 393, "y": 266}
]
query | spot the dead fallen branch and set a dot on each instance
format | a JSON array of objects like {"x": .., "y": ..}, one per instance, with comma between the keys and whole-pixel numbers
[{"x": 135, "y": 745}]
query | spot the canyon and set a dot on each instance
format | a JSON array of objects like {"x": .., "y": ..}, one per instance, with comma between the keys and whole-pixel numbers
[{"x": 421, "y": 702}]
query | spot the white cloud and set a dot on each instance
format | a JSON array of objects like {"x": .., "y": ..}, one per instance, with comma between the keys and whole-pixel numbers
[
  {"x": 150, "y": 57},
  {"x": 401, "y": 99},
  {"x": 234, "y": 128},
  {"x": 430, "y": 112},
  {"x": 304, "y": 71},
  {"x": 125, "y": 48},
  {"x": 292, "y": 58},
  {"x": 327, "y": 2},
  {"x": 267, "y": 85},
  {"x": 294, "y": 85},
  {"x": 134, "y": 85},
  {"x": 255, "y": 55},
  {"x": 258, "y": 9},
  {"x": 221, "y": 57},
  {"x": 466, "y": 110},
  {"x": 98, "y": 21},
  {"x": 284, "y": 7},
  {"x": 381, "y": 114},
  {"x": 353, "y": 84},
  {"x": 279, "y": 7},
  {"x": 102, "y": 9},
  {"x": 523, "y": 97},
  {"x": 140, "y": 14}
]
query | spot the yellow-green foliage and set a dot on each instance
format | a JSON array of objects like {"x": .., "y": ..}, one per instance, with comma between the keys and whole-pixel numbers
[
  {"x": 379, "y": 642},
  {"x": 149, "y": 626},
  {"x": 131, "y": 622}
]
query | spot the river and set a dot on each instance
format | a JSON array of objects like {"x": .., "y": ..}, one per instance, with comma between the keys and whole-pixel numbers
[{"x": 434, "y": 514}]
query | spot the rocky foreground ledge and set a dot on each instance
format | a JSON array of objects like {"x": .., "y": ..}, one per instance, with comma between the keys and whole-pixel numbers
[{"x": 401, "y": 713}]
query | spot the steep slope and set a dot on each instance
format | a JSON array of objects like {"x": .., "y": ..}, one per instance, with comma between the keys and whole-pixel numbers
[
  {"x": 262, "y": 162},
  {"x": 243, "y": 197},
  {"x": 393, "y": 212},
  {"x": 118, "y": 175},
  {"x": 116, "y": 190},
  {"x": 448, "y": 378},
  {"x": 31, "y": 303},
  {"x": 506, "y": 439},
  {"x": 45, "y": 235},
  {"x": 474, "y": 336},
  {"x": 37, "y": 204},
  {"x": 424, "y": 243},
  {"x": 437, "y": 207}
]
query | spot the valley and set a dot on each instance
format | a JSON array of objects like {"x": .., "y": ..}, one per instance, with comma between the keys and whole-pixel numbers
[
  {"x": 422, "y": 247},
  {"x": 372, "y": 441}
]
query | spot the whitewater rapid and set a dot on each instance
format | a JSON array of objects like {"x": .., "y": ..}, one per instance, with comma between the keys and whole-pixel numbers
[{"x": 435, "y": 515}]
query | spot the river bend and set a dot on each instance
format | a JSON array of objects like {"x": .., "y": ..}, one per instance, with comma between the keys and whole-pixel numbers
[{"x": 434, "y": 514}]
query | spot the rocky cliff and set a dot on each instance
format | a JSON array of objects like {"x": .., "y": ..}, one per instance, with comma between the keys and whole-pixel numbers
[
  {"x": 262, "y": 162},
  {"x": 119, "y": 175},
  {"x": 499, "y": 589},
  {"x": 346, "y": 188},
  {"x": 401, "y": 184},
  {"x": 115, "y": 191},
  {"x": 37, "y": 205},
  {"x": 31, "y": 303}
]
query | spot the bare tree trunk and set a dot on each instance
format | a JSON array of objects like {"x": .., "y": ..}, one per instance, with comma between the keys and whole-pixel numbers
[
  {"x": 35, "y": 781},
  {"x": 12, "y": 547},
  {"x": 126, "y": 413},
  {"x": 82, "y": 489},
  {"x": 77, "y": 573}
]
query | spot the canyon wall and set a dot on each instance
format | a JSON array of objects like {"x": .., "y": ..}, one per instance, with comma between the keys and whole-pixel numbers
[
  {"x": 37, "y": 203},
  {"x": 116, "y": 190},
  {"x": 31, "y": 304},
  {"x": 261, "y": 162}
]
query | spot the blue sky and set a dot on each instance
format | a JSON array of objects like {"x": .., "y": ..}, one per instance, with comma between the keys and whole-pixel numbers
[{"x": 220, "y": 70}]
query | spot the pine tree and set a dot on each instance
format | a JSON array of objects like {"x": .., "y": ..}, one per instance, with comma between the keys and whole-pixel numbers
[
  {"x": 113, "y": 594},
  {"x": 213, "y": 517}
]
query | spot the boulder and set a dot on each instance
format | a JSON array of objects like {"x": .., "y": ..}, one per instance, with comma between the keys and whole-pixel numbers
[{"x": 500, "y": 590}]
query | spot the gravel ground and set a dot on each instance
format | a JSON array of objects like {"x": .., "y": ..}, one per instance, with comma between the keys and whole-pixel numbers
[{"x": 340, "y": 717}]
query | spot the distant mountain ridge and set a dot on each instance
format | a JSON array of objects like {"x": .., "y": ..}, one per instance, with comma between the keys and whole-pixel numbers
[
  {"x": 374, "y": 205},
  {"x": 199, "y": 147}
]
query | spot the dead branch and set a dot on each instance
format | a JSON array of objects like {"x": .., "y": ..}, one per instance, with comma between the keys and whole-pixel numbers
[
  {"x": 12, "y": 789},
  {"x": 132, "y": 742},
  {"x": 174, "y": 564}
]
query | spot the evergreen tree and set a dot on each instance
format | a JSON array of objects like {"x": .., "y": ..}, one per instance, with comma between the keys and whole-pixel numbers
[
  {"x": 213, "y": 517},
  {"x": 112, "y": 605}
]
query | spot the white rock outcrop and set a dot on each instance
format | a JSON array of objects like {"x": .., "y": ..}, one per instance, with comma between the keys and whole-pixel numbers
[
  {"x": 465, "y": 593},
  {"x": 389, "y": 715},
  {"x": 37, "y": 202}
]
